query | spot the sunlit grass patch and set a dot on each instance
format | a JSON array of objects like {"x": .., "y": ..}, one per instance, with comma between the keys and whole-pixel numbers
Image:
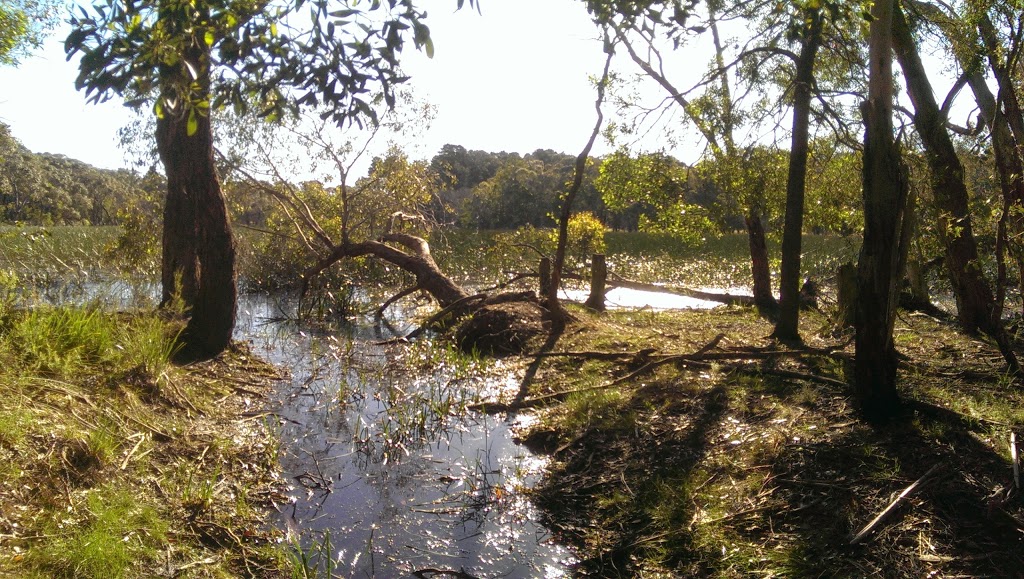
[
  {"x": 99, "y": 432},
  {"x": 118, "y": 537},
  {"x": 63, "y": 341}
]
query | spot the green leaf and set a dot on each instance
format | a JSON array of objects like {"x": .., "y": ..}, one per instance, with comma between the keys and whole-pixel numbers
[
  {"x": 208, "y": 38},
  {"x": 158, "y": 109},
  {"x": 193, "y": 123},
  {"x": 429, "y": 46}
]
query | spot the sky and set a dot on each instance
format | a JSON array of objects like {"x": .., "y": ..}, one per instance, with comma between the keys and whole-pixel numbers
[{"x": 514, "y": 77}]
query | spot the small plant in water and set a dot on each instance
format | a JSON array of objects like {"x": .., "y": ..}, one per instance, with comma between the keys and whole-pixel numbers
[{"x": 312, "y": 561}]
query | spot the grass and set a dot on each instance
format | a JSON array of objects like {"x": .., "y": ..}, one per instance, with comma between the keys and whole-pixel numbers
[
  {"x": 114, "y": 463},
  {"x": 742, "y": 469},
  {"x": 644, "y": 257}
]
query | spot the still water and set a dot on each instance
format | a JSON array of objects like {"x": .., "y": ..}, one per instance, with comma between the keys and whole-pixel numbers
[{"x": 388, "y": 474}]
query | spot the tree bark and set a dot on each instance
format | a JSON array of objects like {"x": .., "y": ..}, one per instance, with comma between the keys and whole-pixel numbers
[
  {"x": 598, "y": 277},
  {"x": 975, "y": 302},
  {"x": 787, "y": 326},
  {"x": 759, "y": 265},
  {"x": 198, "y": 246},
  {"x": 885, "y": 195}
]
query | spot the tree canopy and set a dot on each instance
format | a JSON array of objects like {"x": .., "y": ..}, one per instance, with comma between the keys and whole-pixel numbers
[{"x": 23, "y": 25}]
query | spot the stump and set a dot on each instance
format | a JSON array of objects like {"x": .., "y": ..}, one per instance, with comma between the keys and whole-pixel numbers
[
  {"x": 846, "y": 295},
  {"x": 598, "y": 277}
]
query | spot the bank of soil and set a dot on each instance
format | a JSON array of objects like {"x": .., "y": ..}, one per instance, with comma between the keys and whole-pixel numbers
[
  {"x": 137, "y": 475},
  {"x": 697, "y": 446}
]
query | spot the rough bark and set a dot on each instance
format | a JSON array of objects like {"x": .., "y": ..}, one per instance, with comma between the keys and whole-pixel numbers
[
  {"x": 885, "y": 195},
  {"x": 975, "y": 302},
  {"x": 759, "y": 266},
  {"x": 598, "y": 279},
  {"x": 198, "y": 248},
  {"x": 786, "y": 328}
]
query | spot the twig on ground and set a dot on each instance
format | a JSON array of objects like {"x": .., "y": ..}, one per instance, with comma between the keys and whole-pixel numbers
[
  {"x": 131, "y": 453},
  {"x": 867, "y": 530}
]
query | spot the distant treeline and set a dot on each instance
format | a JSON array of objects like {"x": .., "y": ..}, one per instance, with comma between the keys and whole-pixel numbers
[
  {"x": 46, "y": 189},
  {"x": 475, "y": 189}
]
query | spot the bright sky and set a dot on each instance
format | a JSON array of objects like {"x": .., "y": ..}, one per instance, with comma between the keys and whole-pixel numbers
[{"x": 514, "y": 78}]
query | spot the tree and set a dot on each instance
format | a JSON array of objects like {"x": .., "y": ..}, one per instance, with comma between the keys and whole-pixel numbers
[
  {"x": 23, "y": 25},
  {"x": 186, "y": 58},
  {"x": 661, "y": 183},
  {"x": 810, "y": 35},
  {"x": 558, "y": 314},
  {"x": 885, "y": 201},
  {"x": 712, "y": 113},
  {"x": 976, "y": 306}
]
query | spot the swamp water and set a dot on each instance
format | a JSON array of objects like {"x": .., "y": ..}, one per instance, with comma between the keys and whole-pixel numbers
[{"x": 389, "y": 474}]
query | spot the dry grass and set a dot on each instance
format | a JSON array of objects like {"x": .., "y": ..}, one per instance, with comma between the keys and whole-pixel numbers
[{"x": 737, "y": 468}]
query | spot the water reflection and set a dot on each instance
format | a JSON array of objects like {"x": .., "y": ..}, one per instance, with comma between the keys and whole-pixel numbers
[{"x": 386, "y": 467}]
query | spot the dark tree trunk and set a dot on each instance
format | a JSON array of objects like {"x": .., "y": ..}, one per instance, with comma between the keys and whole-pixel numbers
[
  {"x": 885, "y": 196},
  {"x": 598, "y": 277},
  {"x": 787, "y": 326},
  {"x": 198, "y": 247},
  {"x": 975, "y": 302},
  {"x": 759, "y": 266}
]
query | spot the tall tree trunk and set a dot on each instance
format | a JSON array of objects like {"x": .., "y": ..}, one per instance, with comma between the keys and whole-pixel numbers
[
  {"x": 977, "y": 308},
  {"x": 787, "y": 326},
  {"x": 199, "y": 249},
  {"x": 975, "y": 303},
  {"x": 885, "y": 196}
]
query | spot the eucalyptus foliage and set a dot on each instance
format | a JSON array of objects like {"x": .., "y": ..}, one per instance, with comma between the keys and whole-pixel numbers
[
  {"x": 660, "y": 182},
  {"x": 276, "y": 56},
  {"x": 23, "y": 25}
]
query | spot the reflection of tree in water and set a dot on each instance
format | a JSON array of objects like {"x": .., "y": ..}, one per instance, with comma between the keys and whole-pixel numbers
[{"x": 386, "y": 464}]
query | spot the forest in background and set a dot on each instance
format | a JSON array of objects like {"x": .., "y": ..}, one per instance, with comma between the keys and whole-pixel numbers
[{"x": 484, "y": 190}]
